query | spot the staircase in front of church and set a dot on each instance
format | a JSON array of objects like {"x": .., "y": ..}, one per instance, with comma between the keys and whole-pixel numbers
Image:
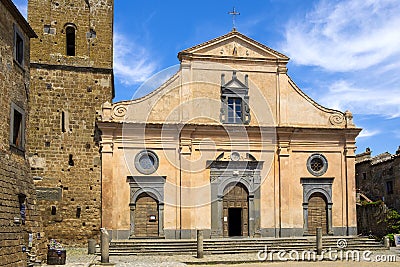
[{"x": 236, "y": 245}]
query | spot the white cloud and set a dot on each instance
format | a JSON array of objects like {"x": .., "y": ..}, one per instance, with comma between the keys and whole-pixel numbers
[
  {"x": 132, "y": 62},
  {"x": 155, "y": 81},
  {"x": 357, "y": 43},
  {"x": 368, "y": 133},
  {"x": 346, "y": 35},
  {"x": 344, "y": 95}
]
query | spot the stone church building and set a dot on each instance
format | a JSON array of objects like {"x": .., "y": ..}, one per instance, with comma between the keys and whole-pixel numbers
[{"x": 230, "y": 145}]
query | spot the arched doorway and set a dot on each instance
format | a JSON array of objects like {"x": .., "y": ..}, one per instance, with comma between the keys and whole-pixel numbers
[
  {"x": 317, "y": 213},
  {"x": 146, "y": 216},
  {"x": 235, "y": 211}
]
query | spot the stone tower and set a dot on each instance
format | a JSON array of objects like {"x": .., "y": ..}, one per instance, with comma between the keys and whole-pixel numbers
[{"x": 71, "y": 76}]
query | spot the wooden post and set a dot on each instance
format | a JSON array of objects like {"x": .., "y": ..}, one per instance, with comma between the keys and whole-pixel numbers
[
  {"x": 105, "y": 246},
  {"x": 319, "y": 240},
  {"x": 200, "y": 247}
]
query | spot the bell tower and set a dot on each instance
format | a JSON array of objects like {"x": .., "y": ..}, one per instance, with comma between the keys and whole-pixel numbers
[{"x": 71, "y": 77}]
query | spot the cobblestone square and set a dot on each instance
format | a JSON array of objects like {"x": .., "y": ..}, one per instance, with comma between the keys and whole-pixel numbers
[{"x": 77, "y": 257}]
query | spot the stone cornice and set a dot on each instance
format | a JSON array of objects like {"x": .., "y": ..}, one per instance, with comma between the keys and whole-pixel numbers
[{"x": 72, "y": 68}]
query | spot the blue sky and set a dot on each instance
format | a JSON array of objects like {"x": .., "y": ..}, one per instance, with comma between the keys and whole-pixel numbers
[{"x": 344, "y": 54}]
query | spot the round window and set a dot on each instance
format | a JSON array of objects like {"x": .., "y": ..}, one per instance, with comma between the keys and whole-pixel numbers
[
  {"x": 146, "y": 162},
  {"x": 317, "y": 164},
  {"x": 235, "y": 156}
]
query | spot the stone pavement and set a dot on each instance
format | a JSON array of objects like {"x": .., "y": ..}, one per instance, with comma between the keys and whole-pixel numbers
[{"x": 77, "y": 257}]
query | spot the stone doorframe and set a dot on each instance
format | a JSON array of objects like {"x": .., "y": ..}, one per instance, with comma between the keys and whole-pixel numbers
[
  {"x": 224, "y": 173},
  {"x": 317, "y": 185},
  {"x": 154, "y": 187}
]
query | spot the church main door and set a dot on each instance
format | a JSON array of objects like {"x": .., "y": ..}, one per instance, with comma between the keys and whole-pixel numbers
[
  {"x": 235, "y": 211},
  {"x": 146, "y": 216},
  {"x": 317, "y": 213}
]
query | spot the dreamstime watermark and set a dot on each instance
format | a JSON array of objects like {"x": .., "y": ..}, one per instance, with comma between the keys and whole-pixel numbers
[{"x": 340, "y": 253}]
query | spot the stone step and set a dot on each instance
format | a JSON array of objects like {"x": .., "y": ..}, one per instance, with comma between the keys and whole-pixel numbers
[{"x": 232, "y": 246}]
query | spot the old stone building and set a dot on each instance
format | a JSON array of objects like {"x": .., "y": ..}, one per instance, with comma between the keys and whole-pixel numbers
[
  {"x": 21, "y": 235},
  {"x": 231, "y": 145},
  {"x": 71, "y": 76},
  {"x": 378, "y": 177}
]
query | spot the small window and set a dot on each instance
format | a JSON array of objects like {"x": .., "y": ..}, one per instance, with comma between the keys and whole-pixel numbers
[
  {"x": 17, "y": 127},
  {"x": 63, "y": 129},
  {"x": 53, "y": 210},
  {"x": 234, "y": 110},
  {"x": 364, "y": 176},
  {"x": 71, "y": 160},
  {"x": 22, "y": 207},
  {"x": 78, "y": 212},
  {"x": 389, "y": 187},
  {"x": 70, "y": 36},
  {"x": 18, "y": 46}
]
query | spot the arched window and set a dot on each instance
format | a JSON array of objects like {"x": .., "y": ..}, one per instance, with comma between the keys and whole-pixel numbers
[{"x": 70, "y": 34}]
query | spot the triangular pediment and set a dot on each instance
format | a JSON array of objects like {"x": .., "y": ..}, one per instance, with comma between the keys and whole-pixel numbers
[
  {"x": 235, "y": 84},
  {"x": 232, "y": 45}
]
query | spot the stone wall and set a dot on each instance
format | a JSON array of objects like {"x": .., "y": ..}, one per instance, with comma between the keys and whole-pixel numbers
[
  {"x": 66, "y": 93},
  {"x": 15, "y": 181},
  {"x": 93, "y": 20},
  {"x": 19, "y": 218},
  {"x": 371, "y": 219},
  {"x": 373, "y": 175},
  {"x": 66, "y": 162}
]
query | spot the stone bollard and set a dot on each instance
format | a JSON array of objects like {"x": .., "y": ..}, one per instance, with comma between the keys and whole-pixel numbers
[
  {"x": 319, "y": 240},
  {"x": 105, "y": 246},
  {"x": 386, "y": 242},
  {"x": 91, "y": 246},
  {"x": 200, "y": 247}
]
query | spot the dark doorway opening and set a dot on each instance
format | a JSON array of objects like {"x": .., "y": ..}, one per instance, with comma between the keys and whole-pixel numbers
[{"x": 235, "y": 221}]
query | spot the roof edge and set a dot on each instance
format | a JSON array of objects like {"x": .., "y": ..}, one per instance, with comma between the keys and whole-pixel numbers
[
  {"x": 19, "y": 18},
  {"x": 234, "y": 32}
]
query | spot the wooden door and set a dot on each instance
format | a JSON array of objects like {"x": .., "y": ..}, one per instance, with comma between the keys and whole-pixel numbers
[
  {"x": 317, "y": 213},
  {"x": 235, "y": 197},
  {"x": 146, "y": 216}
]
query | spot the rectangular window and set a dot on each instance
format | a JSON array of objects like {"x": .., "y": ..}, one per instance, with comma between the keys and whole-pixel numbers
[
  {"x": 18, "y": 46},
  {"x": 364, "y": 176},
  {"x": 389, "y": 187},
  {"x": 17, "y": 127},
  {"x": 234, "y": 110},
  {"x": 70, "y": 35}
]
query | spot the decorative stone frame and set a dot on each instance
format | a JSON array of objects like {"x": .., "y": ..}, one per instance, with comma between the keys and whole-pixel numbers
[
  {"x": 235, "y": 89},
  {"x": 324, "y": 167},
  {"x": 317, "y": 185},
  {"x": 154, "y": 187},
  {"x": 150, "y": 154},
  {"x": 224, "y": 173}
]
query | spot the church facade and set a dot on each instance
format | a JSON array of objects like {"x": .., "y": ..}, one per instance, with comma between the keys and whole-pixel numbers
[{"x": 229, "y": 144}]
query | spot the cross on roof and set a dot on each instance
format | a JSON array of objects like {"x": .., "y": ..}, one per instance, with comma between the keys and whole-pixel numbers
[{"x": 234, "y": 13}]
